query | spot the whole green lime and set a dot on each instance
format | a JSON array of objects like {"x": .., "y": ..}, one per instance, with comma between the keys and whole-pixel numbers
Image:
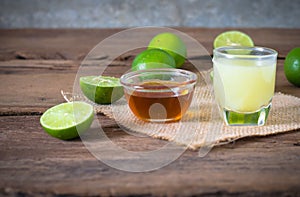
[
  {"x": 172, "y": 44},
  {"x": 153, "y": 58},
  {"x": 292, "y": 66},
  {"x": 101, "y": 89}
]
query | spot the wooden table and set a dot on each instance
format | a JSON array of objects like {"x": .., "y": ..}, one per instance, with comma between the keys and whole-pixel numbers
[{"x": 36, "y": 64}]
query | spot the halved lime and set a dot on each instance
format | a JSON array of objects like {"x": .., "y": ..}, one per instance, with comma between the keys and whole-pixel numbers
[
  {"x": 172, "y": 44},
  {"x": 101, "y": 89},
  {"x": 65, "y": 121},
  {"x": 153, "y": 58},
  {"x": 233, "y": 38}
]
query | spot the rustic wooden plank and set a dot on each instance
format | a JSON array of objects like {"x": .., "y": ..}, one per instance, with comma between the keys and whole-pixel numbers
[
  {"x": 33, "y": 163},
  {"x": 49, "y": 43},
  {"x": 74, "y": 44},
  {"x": 31, "y": 86}
]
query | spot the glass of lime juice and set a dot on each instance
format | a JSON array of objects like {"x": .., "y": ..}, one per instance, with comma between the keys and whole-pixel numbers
[{"x": 244, "y": 83}]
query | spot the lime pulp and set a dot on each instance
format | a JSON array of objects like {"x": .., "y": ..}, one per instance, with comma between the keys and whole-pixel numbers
[
  {"x": 65, "y": 121},
  {"x": 233, "y": 38}
]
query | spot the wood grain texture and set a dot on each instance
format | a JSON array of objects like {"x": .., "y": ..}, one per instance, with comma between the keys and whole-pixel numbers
[
  {"x": 36, "y": 64},
  {"x": 70, "y": 44},
  {"x": 34, "y": 162}
]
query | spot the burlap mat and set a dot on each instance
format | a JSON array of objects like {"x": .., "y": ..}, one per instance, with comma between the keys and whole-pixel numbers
[{"x": 202, "y": 125}]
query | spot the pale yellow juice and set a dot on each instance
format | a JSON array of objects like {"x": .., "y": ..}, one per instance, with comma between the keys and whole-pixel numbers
[{"x": 244, "y": 85}]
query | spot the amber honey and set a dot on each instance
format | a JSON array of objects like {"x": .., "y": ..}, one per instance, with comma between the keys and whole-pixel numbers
[{"x": 159, "y": 102}]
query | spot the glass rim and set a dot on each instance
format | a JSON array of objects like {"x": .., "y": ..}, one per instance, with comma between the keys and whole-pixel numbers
[
  {"x": 269, "y": 53},
  {"x": 191, "y": 79}
]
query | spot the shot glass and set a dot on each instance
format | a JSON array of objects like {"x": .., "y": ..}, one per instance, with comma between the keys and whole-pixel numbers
[{"x": 244, "y": 83}]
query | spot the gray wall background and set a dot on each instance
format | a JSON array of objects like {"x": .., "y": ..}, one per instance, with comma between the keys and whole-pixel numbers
[{"x": 131, "y": 13}]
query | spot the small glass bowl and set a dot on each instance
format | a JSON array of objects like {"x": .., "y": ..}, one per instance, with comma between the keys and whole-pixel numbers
[{"x": 159, "y": 95}]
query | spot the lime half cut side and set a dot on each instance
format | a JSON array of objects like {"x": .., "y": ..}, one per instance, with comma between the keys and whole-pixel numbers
[
  {"x": 101, "y": 89},
  {"x": 233, "y": 38},
  {"x": 65, "y": 121}
]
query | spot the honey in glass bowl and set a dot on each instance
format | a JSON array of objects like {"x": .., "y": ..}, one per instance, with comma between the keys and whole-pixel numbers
[{"x": 159, "y": 95}]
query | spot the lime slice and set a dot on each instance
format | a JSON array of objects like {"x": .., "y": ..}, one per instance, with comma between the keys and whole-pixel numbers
[
  {"x": 153, "y": 58},
  {"x": 65, "y": 121},
  {"x": 172, "y": 44},
  {"x": 101, "y": 89},
  {"x": 233, "y": 38}
]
